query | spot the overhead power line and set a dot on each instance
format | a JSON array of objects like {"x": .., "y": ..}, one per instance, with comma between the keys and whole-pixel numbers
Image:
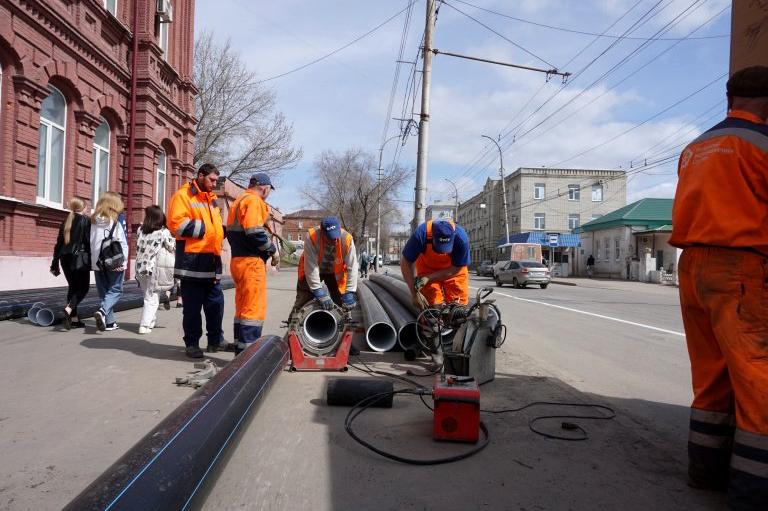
[
  {"x": 340, "y": 48},
  {"x": 581, "y": 32}
]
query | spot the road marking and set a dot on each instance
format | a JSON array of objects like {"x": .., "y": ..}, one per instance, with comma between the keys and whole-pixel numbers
[{"x": 590, "y": 314}]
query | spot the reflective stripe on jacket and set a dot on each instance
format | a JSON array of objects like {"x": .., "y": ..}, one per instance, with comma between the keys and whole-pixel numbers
[
  {"x": 345, "y": 265},
  {"x": 722, "y": 192},
  {"x": 194, "y": 219},
  {"x": 245, "y": 226}
]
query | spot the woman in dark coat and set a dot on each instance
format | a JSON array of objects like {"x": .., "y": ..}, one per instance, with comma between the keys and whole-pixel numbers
[{"x": 72, "y": 254}]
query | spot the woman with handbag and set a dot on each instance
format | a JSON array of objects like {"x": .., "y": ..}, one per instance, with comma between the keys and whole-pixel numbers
[
  {"x": 109, "y": 249},
  {"x": 155, "y": 257},
  {"x": 72, "y": 254}
]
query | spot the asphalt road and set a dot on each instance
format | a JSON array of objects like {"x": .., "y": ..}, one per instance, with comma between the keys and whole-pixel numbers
[{"x": 614, "y": 339}]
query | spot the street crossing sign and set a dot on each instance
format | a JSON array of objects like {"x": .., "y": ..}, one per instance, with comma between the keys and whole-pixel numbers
[{"x": 554, "y": 239}]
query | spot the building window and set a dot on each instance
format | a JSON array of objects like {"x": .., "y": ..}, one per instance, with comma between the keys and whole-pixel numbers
[
  {"x": 162, "y": 162},
  {"x": 597, "y": 248},
  {"x": 111, "y": 6},
  {"x": 50, "y": 160},
  {"x": 574, "y": 192},
  {"x": 597, "y": 193},
  {"x": 539, "y": 190},
  {"x": 606, "y": 249},
  {"x": 162, "y": 37},
  {"x": 617, "y": 248},
  {"x": 100, "y": 160},
  {"x": 573, "y": 221},
  {"x": 538, "y": 221}
]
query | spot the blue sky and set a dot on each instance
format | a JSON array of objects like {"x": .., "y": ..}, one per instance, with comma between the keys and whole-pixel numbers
[{"x": 341, "y": 102}]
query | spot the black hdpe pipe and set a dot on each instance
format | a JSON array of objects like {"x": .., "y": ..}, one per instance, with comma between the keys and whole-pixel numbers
[
  {"x": 404, "y": 321},
  {"x": 173, "y": 465},
  {"x": 380, "y": 334},
  {"x": 398, "y": 289},
  {"x": 55, "y": 298}
]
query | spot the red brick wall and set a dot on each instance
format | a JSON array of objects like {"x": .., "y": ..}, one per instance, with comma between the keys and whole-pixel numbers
[{"x": 78, "y": 47}]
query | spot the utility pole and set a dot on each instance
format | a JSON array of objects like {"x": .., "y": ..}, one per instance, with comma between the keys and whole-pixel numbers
[
  {"x": 456, "y": 200},
  {"x": 422, "y": 152},
  {"x": 378, "y": 206},
  {"x": 503, "y": 187}
]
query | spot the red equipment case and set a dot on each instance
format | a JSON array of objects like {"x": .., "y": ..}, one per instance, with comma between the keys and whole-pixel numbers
[
  {"x": 337, "y": 361},
  {"x": 457, "y": 409}
]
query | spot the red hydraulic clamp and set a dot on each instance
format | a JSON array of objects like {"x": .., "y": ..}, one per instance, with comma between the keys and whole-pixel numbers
[{"x": 301, "y": 361}]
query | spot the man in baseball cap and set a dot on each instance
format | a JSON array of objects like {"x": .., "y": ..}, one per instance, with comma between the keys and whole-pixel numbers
[{"x": 720, "y": 220}]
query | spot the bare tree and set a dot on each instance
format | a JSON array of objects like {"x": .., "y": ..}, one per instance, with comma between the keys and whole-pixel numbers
[
  {"x": 238, "y": 126},
  {"x": 347, "y": 183}
]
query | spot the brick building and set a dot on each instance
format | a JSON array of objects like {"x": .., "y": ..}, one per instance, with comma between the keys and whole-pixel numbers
[
  {"x": 297, "y": 223},
  {"x": 67, "y": 74}
]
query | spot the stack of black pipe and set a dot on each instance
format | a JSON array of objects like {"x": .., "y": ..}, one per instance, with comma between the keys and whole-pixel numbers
[{"x": 16, "y": 304}]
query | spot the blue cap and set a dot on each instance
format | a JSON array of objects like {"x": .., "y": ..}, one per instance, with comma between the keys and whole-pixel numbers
[
  {"x": 331, "y": 227},
  {"x": 443, "y": 235},
  {"x": 261, "y": 179}
]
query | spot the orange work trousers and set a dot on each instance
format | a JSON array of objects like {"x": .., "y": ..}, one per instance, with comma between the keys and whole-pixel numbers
[
  {"x": 724, "y": 300},
  {"x": 452, "y": 290},
  {"x": 250, "y": 276}
]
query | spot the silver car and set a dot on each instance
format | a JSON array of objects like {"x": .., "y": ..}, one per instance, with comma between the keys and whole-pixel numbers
[{"x": 522, "y": 273}]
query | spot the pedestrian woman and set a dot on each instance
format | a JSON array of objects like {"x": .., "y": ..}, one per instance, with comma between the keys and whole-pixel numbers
[
  {"x": 109, "y": 248},
  {"x": 72, "y": 254},
  {"x": 155, "y": 258}
]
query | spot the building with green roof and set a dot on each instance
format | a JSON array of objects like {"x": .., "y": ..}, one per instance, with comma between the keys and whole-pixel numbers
[{"x": 622, "y": 238}]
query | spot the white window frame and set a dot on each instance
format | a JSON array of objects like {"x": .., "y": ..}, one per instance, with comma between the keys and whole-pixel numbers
[
  {"x": 574, "y": 192},
  {"x": 607, "y": 249},
  {"x": 617, "y": 248},
  {"x": 539, "y": 187},
  {"x": 162, "y": 37},
  {"x": 106, "y": 6},
  {"x": 536, "y": 218},
  {"x": 164, "y": 172},
  {"x": 577, "y": 218},
  {"x": 46, "y": 199},
  {"x": 97, "y": 152},
  {"x": 597, "y": 190},
  {"x": 597, "y": 249}
]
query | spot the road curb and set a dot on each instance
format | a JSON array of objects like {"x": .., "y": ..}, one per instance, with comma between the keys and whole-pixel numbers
[{"x": 563, "y": 283}]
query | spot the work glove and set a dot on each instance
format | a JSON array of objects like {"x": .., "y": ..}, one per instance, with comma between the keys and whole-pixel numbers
[
  {"x": 349, "y": 300},
  {"x": 275, "y": 257},
  {"x": 322, "y": 296},
  {"x": 420, "y": 283},
  {"x": 265, "y": 255}
]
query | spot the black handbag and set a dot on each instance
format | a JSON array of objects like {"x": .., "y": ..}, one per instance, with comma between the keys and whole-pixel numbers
[{"x": 81, "y": 260}]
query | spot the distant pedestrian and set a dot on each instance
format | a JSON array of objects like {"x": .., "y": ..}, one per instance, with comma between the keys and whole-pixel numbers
[
  {"x": 109, "y": 248},
  {"x": 720, "y": 220},
  {"x": 155, "y": 248},
  {"x": 364, "y": 262},
  {"x": 195, "y": 220},
  {"x": 72, "y": 254},
  {"x": 590, "y": 266}
]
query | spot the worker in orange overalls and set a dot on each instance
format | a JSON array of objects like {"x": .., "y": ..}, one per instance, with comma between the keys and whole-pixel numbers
[
  {"x": 251, "y": 247},
  {"x": 195, "y": 220},
  {"x": 720, "y": 219},
  {"x": 329, "y": 257},
  {"x": 438, "y": 251}
]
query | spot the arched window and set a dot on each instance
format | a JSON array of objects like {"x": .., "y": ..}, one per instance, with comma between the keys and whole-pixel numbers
[
  {"x": 160, "y": 180},
  {"x": 50, "y": 161},
  {"x": 100, "y": 160}
]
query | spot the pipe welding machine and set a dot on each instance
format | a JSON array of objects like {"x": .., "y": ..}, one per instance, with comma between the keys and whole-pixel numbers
[{"x": 319, "y": 339}]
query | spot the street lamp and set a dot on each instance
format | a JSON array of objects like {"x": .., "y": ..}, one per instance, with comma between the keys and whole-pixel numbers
[
  {"x": 378, "y": 207},
  {"x": 503, "y": 187},
  {"x": 456, "y": 197}
]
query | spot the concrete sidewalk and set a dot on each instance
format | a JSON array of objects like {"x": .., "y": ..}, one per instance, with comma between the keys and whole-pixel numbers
[{"x": 611, "y": 284}]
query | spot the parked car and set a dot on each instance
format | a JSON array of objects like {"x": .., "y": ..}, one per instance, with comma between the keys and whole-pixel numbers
[
  {"x": 522, "y": 273},
  {"x": 496, "y": 268},
  {"x": 485, "y": 269}
]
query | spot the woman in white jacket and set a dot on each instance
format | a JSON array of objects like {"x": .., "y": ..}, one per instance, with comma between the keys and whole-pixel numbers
[
  {"x": 155, "y": 248},
  {"x": 107, "y": 227}
]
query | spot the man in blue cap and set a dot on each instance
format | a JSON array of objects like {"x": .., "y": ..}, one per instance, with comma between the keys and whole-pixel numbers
[
  {"x": 329, "y": 257},
  {"x": 434, "y": 264}
]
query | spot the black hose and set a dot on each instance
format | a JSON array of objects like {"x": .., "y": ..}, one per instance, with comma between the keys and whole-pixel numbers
[{"x": 171, "y": 467}]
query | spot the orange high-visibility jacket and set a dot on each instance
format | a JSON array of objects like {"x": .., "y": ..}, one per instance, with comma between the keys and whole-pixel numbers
[
  {"x": 430, "y": 261},
  {"x": 722, "y": 192},
  {"x": 344, "y": 265},
  {"x": 245, "y": 226},
  {"x": 195, "y": 220}
]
